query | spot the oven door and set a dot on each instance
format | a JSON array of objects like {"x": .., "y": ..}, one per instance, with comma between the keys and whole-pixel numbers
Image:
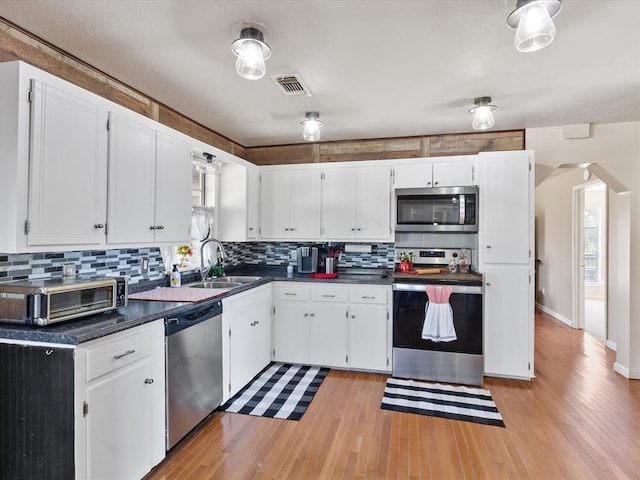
[{"x": 457, "y": 361}]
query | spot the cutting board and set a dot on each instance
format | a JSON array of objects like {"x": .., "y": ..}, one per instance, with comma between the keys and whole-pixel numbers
[{"x": 181, "y": 294}]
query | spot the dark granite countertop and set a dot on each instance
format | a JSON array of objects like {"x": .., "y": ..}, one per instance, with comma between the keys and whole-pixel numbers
[{"x": 138, "y": 312}]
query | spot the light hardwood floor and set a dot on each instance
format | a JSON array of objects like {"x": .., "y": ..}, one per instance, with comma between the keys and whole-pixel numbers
[{"x": 577, "y": 419}]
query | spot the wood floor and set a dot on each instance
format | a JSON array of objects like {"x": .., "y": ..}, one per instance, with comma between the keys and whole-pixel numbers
[{"x": 577, "y": 419}]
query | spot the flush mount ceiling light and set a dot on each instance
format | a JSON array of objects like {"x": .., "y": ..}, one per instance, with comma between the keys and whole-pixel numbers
[
  {"x": 532, "y": 19},
  {"x": 252, "y": 52},
  {"x": 482, "y": 116},
  {"x": 311, "y": 132}
]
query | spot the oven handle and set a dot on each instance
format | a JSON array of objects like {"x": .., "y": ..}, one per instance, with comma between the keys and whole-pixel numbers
[{"x": 413, "y": 287}]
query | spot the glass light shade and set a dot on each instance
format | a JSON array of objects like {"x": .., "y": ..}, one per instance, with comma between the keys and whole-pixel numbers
[
  {"x": 250, "y": 63},
  {"x": 483, "y": 118},
  {"x": 311, "y": 132},
  {"x": 535, "y": 29}
]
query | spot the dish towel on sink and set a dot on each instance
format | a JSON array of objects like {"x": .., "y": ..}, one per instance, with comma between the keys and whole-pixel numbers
[{"x": 438, "y": 315}]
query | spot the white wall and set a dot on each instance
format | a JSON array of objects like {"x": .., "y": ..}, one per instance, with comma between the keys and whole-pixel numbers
[{"x": 616, "y": 148}]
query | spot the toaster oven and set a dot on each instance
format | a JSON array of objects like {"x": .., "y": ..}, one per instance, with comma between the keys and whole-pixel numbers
[{"x": 44, "y": 302}]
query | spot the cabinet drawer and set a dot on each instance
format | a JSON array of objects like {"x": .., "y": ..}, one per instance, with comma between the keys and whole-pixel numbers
[
  {"x": 368, "y": 295},
  {"x": 328, "y": 294},
  {"x": 245, "y": 301},
  {"x": 291, "y": 292},
  {"x": 112, "y": 354}
]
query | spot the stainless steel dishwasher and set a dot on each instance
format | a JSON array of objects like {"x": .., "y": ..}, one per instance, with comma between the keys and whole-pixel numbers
[{"x": 193, "y": 343}]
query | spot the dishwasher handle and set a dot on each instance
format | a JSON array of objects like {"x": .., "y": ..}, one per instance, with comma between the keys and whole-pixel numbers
[{"x": 413, "y": 287}]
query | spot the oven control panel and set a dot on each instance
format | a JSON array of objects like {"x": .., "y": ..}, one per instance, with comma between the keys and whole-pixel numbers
[{"x": 435, "y": 256}]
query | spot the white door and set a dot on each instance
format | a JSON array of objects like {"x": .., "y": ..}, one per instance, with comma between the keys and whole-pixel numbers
[
  {"x": 173, "y": 190},
  {"x": 339, "y": 203},
  {"x": 505, "y": 221},
  {"x": 291, "y": 332},
  {"x": 253, "y": 199},
  {"x": 455, "y": 174},
  {"x": 328, "y": 334},
  {"x": 373, "y": 203},
  {"x": 68, "y": 169},
  {"x": 132, "y": 160},
  {"x": 413, "y": 175},
  {"x": 305, "y": 204},
  {"x": 368, "y": 337},
  {"x": 274, "y": 204},
  {"x": 508, "y": 321}
]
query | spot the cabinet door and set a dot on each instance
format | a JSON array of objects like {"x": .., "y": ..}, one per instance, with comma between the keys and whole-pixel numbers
[
  {"x": 339, "y": 203},
  {"x": 455, "y": 174},
  {"x": 415, "y": 175},
  {"x": 253, "y": 199},
  {"x": 132, "y": 159},
  {"x": 368, "y": 327},
  {"x": 274, "y": 204},
  {"x": 373, "y": 203},
  {"x": 328, "y": 334},
  {"x": 291, "y": 332},
  {"x": 305, "y": 204},
  {"x": 173, "y": 190},
  {"x": 508, "y": 321},
  {"x": 505, "y": 206},
  {"x": 250, "y": 346},
  {"x": 68, "y": 169}
]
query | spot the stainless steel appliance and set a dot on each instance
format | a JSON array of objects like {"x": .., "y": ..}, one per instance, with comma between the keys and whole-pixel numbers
[
  {"x": 43, "y": 302},
  {"x": 440, "y": 209},
  {"x": 307, "y": 259},
  {"x": 459, "y": 361},
  {"x": 193, "y": 346}
]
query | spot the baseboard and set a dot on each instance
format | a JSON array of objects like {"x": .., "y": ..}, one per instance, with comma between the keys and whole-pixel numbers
[
  {"x": 555, "y": 315},
  {"x": 621, "y": 369},
  {"x": 611, "y": 345}
]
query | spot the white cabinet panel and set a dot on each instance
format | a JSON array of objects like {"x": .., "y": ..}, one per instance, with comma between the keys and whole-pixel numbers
[
  {"x": 373, "y": 203},
  {"x": 328, "y": 334},
  {"x": 455, "y": 171},
  {"x": 416, "y": 175},
  {"x": 339, "y": 203},
  {"x": 368, "y": 337},
  {"x": 68, "y": 171},
  {"x": 291, "y": 332},
  {"x": 455, "y": 174},
  {"x": 508, "y": 321}
]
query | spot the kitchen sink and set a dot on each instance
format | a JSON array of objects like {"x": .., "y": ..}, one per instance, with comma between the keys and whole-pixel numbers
[
  {"x": 215, "y": 284},
  {"x": 237, "y": 279}
]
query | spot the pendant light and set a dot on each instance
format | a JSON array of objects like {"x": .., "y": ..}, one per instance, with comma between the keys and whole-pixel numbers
[
  {"x": 482, "y": 114},
  {"x": 252, "y": 52},
  {"x": 311, "y": 132},
  {"x": 534, "y": 24}
]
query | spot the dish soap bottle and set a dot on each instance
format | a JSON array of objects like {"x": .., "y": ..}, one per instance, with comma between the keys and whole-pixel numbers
[{"x": 174, "y": 277}]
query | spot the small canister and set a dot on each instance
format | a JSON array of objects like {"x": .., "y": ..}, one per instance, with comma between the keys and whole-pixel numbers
[{"x": 330, "y": 265}]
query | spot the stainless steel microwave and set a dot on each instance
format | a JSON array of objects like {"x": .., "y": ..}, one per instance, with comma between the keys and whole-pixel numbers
[
  {"x": 439, "y": 209},
  {"x": 43, "y": 302}
]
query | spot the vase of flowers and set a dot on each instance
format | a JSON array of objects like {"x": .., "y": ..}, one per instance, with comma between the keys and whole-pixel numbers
[
  {"x": 406, "y": 261},
  {"x": 184, "y": 254}
]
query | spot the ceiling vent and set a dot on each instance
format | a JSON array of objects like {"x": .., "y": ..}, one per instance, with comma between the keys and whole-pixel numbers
[{"x": 291, "y": 85}]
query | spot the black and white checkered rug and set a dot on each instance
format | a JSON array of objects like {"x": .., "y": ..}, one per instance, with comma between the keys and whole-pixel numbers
[
  {"x": 279, "y": 391},
  {"x": 437, "y": 400}
]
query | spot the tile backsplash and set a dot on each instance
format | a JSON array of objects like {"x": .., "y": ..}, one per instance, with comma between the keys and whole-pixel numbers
[{"x": 126, "y": 262}]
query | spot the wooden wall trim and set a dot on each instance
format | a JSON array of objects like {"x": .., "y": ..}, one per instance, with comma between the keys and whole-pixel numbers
[{"x": 388, "y": 148}]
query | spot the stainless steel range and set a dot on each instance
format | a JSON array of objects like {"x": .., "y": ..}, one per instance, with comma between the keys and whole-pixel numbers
[{"x": 415, "y": 353}]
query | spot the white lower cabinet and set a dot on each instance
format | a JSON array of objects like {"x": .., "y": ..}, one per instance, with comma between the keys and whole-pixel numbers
[
  {"x": 333, "y": 325},
  {"x": 247, "y": 345},
  {"x": 120, "y": 404}
]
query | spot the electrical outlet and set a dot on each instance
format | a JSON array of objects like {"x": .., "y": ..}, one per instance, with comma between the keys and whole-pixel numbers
[
  {"x": 294, "y": 255},
  {"x": 144, "y": 264},
  {"x": 69, "y": 270}
]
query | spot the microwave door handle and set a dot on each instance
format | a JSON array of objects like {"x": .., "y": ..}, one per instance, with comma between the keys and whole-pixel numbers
[{"x": 462, "y": 210}]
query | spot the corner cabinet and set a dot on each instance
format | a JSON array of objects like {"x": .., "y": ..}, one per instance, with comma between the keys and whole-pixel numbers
[
  {"x": 149, "y": 185},
  {"x": 506, "y": 261}
]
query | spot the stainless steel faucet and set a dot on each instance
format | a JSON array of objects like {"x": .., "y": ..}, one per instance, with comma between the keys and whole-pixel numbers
[{"x": 204, "y": 271}]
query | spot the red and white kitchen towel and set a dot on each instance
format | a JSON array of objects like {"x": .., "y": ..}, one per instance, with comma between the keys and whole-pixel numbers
[{"x": 438, "y": 315}]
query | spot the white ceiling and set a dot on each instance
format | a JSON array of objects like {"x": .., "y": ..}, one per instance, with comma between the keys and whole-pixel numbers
[{"x": 375, "y": 68}]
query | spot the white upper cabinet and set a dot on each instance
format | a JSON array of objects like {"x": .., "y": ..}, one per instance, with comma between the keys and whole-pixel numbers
[
  {"x": 67, "y": 184},
  {"x": 426, "y": 172},
  {"x": 238, "y": 212},
  {"x": 290, "y": 204},
  {"x": 149, "y": 185},
  {"x": 356, "y": 203}
]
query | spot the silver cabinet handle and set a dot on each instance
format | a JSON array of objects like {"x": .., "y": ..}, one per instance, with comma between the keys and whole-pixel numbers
[
  {"x": 306, "y": 314},
  {"x": 428, "y": 183},
  {"x": 160, "y": 227},
  {"x": 250, "y": 229},
  {"x": 291, "y": 229},
  {"x": 291, "y": 294},
  {"x": 128, "y": 352},
  {"x": 148, "y": 381},
  {"x": 359, "y": 229},
  {"x": 353, "y": 229},
  {"x": 98, "y": 225},
  {"x": 488, "y": 246},
  {"x": 488, "y": 284},
  {"x": 328, "y": 296},
  {"x": 368, "y": 297},
  {"x": 312, "y": 314},
  {"x": 436, "y": 183},
  {"x": 152, "y": 227},
  {"x": 353, "y": 316}
]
